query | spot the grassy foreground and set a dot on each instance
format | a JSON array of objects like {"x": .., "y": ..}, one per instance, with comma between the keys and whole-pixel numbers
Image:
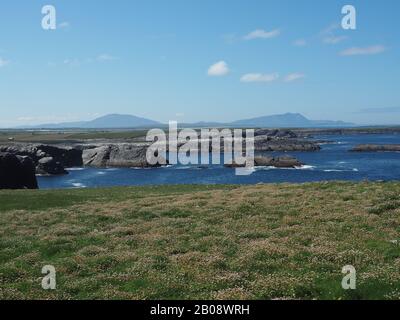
[{"x": 202, "y": 242}]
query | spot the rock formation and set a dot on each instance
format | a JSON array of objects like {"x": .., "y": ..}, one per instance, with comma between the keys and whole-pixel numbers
[
  {"x": 17, "y": 172},
  {"x": 376, "y": 148},
  {"x": 116, "y": 155},
  {"x": 267, "y": 143},
  {"x": 277, "y": 162},
  {"x": 47, "y": 159}
]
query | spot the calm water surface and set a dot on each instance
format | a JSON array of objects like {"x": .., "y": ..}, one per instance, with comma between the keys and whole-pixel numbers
[{"x": 333, "y": 162}]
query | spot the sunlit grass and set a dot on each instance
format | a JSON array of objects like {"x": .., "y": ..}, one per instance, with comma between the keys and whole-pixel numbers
[{"x": 202, "y": 242}]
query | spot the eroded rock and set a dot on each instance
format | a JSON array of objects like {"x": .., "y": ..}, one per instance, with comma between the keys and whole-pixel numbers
[
  {"x": 277, "y": 162},
  {"x": 17, "y": 172}
]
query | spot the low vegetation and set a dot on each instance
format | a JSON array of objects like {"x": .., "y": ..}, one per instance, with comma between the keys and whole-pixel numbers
[
  {"x": 55, "y": 136},
  {"x": 202, "y": 242}
]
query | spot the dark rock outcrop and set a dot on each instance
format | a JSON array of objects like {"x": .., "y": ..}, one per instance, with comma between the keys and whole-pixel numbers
[
  {"x": 49, "y": 166},
  {"x": 376, "y": 148},
  {"x": 17, "y": 172},
  {"x": 277, "y": 162},
  {"x": 67, "y": 156},
  {"x": 267, "y": 143},
  {"x": 61, "y": 157},
  {"x": 274, "y": 143}
]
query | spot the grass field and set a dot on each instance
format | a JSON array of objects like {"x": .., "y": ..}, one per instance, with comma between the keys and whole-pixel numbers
[
  {"x": 67, "y": 136},
  {"x": 202, "y": 242}
]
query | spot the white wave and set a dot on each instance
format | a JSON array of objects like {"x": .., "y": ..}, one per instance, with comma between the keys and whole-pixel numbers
[
  {"x": 75, "y": 169},
  {"x": 341, "y": 170},
  {"x": 306, "y": 167},
  {"x": 265, "y": 168},
  {"x": 101, "y": 172},
  {"x": 78, "y": 185}
]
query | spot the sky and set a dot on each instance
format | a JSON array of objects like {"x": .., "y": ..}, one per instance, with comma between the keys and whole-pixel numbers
[{"x": 199, "y": 60}]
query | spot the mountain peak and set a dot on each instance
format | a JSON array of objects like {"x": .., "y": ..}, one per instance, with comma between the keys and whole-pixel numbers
[
  {"x": 116, "y": 120},
  {"x": 287, "y": 120}
]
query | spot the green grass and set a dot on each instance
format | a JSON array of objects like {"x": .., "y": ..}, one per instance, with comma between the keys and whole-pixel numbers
[
  {"x": 60, "y": 136},
  {"x": 202, "y": 242}
]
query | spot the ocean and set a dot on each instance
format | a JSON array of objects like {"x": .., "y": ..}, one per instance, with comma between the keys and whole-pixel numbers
[{"x": 333, "y": 162}]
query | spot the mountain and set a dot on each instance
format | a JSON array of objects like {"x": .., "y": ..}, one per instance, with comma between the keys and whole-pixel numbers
[
  {"x": 111, "y": 121},
  {"x": 122, "y": 121},
  {"x": 288, "y": 120}
]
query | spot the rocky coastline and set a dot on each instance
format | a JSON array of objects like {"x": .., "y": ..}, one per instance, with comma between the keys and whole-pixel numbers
[{"x": 54, "y": 159}]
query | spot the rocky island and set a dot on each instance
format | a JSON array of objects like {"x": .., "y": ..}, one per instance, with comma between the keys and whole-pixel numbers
[
  {"x": 277, "y": 162},
  {"x": 376, "y": 148}
]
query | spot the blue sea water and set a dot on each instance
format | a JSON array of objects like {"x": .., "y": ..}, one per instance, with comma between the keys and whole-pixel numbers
[{"x": 333, "y": 162}]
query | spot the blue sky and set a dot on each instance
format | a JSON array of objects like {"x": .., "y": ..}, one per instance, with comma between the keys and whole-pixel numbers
[{"x": 153, "y": 58}]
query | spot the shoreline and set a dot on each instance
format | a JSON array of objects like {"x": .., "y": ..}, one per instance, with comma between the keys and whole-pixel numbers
[{"x": 205, "y": 186}]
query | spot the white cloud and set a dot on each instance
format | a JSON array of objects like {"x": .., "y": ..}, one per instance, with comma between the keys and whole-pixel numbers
[
  {"x": 105, "y": 57},
  {"x": 329, "y": 30},
  {"x": 262, "y": 34},
  {"x": 294, "y": 76},
  {"x": 218, "y": 69},
  {"x": 328, "y": 35},
  {"x": 334, "y": 39},
  {"x": 64, "y": 25},
  {"x": 300, "y": 43},
  {"x": 3, "y": 62},
  {"x": 355, "y": 51},
  {"x": 259, "y": 77}
]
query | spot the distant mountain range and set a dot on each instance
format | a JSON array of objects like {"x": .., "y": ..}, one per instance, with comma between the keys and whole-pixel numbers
[
  {"x": 292, "y": 120},
  {"x": 111, "y": 121},
  {"x": 121, "y": 121}
]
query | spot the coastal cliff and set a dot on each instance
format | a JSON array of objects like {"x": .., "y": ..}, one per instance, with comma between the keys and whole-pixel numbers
[{"x": 17, "y": 172}]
